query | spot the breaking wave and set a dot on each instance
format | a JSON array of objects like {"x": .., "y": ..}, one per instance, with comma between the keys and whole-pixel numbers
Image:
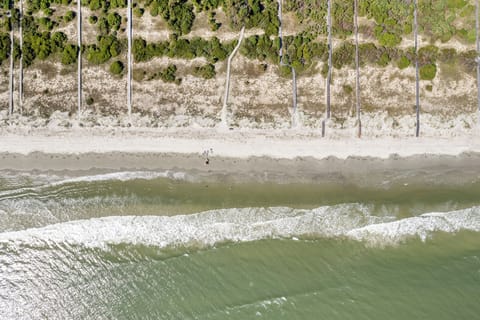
[
  {"x": 350, "y": 221},
  {"x": 47, "y": 181},
  {"x": 125, "y": 176}
]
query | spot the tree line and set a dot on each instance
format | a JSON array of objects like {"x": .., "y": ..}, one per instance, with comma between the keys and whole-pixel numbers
[{"x": 302, "y": 50}]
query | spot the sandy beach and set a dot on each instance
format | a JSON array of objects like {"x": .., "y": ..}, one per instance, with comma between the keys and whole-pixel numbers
[
  {"x": 277, "y": 144},
  {"x": 278, "y": 156}
]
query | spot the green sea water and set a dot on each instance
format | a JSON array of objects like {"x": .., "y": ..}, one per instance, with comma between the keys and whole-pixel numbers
[{"x": 164, "y": 245}]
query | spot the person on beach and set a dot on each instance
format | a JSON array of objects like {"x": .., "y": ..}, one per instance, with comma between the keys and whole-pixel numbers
[{"x": 205, "y": 154}]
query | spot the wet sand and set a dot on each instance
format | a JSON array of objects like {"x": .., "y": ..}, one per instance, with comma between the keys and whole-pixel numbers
[{"x": 435, "y": 169}]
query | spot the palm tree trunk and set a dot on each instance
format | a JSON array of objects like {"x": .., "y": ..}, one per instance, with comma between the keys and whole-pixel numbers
[
  {"x": 478, "y": 60},
  {"x": 357, "y": 82},
  {"x": 129, "y": 58},
  {"x": 10, "y": 83},
  {"x": 280, "y": 37},
  {"x": 20, "y": 76},
  {"x": 417, "y": 85},
  {"x": 329, "y": 75},
  {"x": 79, "y": 58},
  {"x": 295, "y": 119}
]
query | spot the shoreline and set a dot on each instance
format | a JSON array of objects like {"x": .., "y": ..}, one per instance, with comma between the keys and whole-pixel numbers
[
  {"x": 449, "y": 171},
  {"x": 280, "y": 156}
]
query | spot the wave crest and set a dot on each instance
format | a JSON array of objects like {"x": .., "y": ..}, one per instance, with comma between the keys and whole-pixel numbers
[{"x": 351, "y": 221}]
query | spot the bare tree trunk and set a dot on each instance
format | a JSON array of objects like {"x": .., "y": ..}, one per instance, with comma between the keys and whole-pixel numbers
[
  {"x": 357, "y": 82},
  {"x": 417, "y": 85},
  {"x": 478, "y": 60},
  {"x": 329, "y": 75},
  {"x": 10, "y": 83},
  {"x": 79, "y": 71},
  {"x": 280, "y": 37},
  {"x": 294, "y": 98},
  {"x": 223, "y": 115},
  {"x": 20, "y": 76},
  {"x": 129, "y": 58}
]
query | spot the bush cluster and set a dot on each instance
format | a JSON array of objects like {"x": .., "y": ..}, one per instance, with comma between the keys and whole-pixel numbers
[
  {"x": 166, "y": 75},
  {"x": 108, "y": 47},
  {"x": 392, "y": 21},
  {"x": 206, "y": 71},
  {"x": 211, "y": 49},
  {"x": 252, "y": 13},
  {"x": 177, "y": 13}
]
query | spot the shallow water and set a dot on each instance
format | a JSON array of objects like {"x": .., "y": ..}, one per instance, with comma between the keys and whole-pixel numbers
[{"x": 169, "y": 245}]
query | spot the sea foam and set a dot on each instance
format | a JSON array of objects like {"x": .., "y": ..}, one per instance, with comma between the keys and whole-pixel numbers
[
  {"x": 124, "y": 176},
  {"x": 56, "y": 181},
  {"x": 351, "y": 221}
]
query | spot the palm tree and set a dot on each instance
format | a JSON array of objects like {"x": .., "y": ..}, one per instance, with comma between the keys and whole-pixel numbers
[
  {"x": 329, "y": 75},
  {"x": 20, "y": 76},
  {"x": 129, "y": 58},
  {"x": 357, "y": 82},
  {"x": 79, "y": 58},
  {"x": 417, "y": 86}
]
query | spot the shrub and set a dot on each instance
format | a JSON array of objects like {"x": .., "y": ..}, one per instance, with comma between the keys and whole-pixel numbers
[
  {"x": 89, "y": 101},
  {"x": 177, "y": 13},
  {"x": 403, "y": 62},
  {"x": 428, "y": 72},
  {"x": 69, "y": 54},
  {"x": 46, "y": 23},
  {"x": 343, "y": 55},
  {"x": 384, "y": 60},
  {"x": 114, "y": 21},
  {"x": 92, "y": 19},
  {"x": 108, "y": 46},
  {"x": 118, "y": 3},
  {"x": 116, "y": 67},
  {"x": 57, "y": 41},
  {"x": 69, "y": 16},
  {"x": 94, "y": 5},
  {"x": 389, "y": 39},
  {"x": 168, "y": 75},
  {"x": 103, "y": 26},
  {"x": 427, "y": 54},
  {"x": 347, "y": 89},
  {"x": 207, "y": 71},
  {"x": 4, "y": 47},
  {"x": 447, "y": 55},
  {"x": 252, "y": 13},
  {"x": 48, "y": 11},
  {"x": 138, "y": 12}
]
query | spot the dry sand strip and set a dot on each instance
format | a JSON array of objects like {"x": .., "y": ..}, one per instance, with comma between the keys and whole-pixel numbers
[{"x": 287, "y": 144}]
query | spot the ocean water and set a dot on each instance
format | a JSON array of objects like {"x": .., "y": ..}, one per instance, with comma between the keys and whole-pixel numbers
[{"x": 168, "y": 245}]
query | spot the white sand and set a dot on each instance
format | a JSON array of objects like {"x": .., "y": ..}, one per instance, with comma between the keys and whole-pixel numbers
[{"x": 287, "y": 144}]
